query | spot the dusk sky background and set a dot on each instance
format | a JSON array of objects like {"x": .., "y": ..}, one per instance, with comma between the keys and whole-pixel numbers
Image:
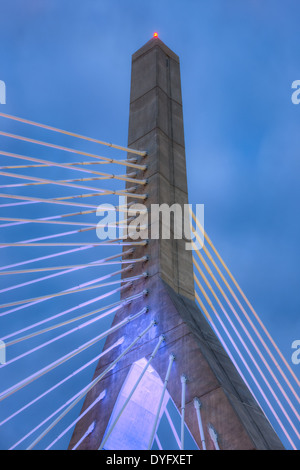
[{"x": 68, "y": 63}]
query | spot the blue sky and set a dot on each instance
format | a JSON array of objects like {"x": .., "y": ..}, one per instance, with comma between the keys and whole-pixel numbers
[{"x": 67, "y": 64}]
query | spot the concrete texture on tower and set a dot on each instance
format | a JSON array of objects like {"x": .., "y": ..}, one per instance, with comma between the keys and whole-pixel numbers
[{"x": 156, "y": 125}]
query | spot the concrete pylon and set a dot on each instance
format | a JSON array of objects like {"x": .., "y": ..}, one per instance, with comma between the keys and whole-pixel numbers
[{"x": 156, "y": 125}]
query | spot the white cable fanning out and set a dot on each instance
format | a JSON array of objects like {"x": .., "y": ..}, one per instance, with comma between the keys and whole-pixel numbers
[
  {"x": 40, "y": 221},
  {"x": 68, "y": 166},
  {"x": 61, "y": 200},
  {"x": 52, "y": 220},
  {"x": 89, "y": 265},
  {"x": 49, "y": 237},
  {"x": 57, "y": 338},
  {"x": 242, "y": 357},
  {"x": 129, "y": 192},
  {"x": 60, "y": 273},
  {"x": 73, "y": 423},
  {"x": 65, "y": 270},
  {"x": 183, "y": 393},
  {"x": 61, "y": 253},
  {"x": 79, "y": 180},
  {"x": 101, "y": 193},
  {"x": 73, "y": 180},
  {"x": 254, "y": 313},
  {"x": 59, "y": 222},
  {"x": 54, "y": 387},
  {"x": 36, "y": 375},
  {"x": 124, "y": 209},
  {"x": 91, "y": 386},
  {"x": 73, "y": 134},
  {"x": 69, "y": 182},
  {"x": 73, "y": 291},
  {"x": 66, "y": 149},
  {"x": 41, "y": 258},
  {"x": 66, "y": 290},
  {"x": 70, "y": 400},
  {"x": 108, "y": 311},
  {"x": 84, "y": 304},
  {"x": 249, "y": 335},
  {"x": 114, "y": 242},
  {"x": 39, "y": 199},
  {"x": 51, "y": 276},
  {"x": 255, "y": 363},
  {"x": 244, "y": 327}
]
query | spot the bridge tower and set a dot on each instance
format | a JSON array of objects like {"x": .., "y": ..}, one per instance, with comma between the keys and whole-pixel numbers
[{"x": 156, "y": 125}]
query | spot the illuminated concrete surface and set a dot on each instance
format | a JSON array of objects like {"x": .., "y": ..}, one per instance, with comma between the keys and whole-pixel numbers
[{"x": 156, "y": 125}]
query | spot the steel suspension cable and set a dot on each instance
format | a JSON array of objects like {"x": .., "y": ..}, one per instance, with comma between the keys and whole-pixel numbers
[
  {"x": 108, "y": 311},
  {"x": 60, "y": 202},
  {"x": 246, "y": 348},
  {"x": 89, "y": 265},
  {"x": 244, "y": 362},
  {"x": 114, "y": 242},
  {"x": 252, "y": 325},
  {"x": 51, "y": 276},
  {"x": 47, "y": 201},
  {"x": 101, "y": 297},
  {"x": 72, "y": 134},
  {"x": 249, "y": 335},
  {"x": 123, "y": 209},
  {"x": 183, "y": 393},
  {"x": 23, "y": 383},
  {"x": 73, "y": 291},
  {"x": 40, "y": 221},
  {"x": 66, "y": 166},
  {"x": 68, "y": 149},
  {"x": 53, "y": 255},
  {"x": 64, "y": 312},
  {"x": 77, "y": 371},
  {"x": 63, "y": 335},
  {"x": 60, "y": 270},
  {"x": 197, "y": 405},
  {"x": 171, "y": 360},
  {"x": 68, "y": 183},
  {"x": 73, "y": 423}
]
